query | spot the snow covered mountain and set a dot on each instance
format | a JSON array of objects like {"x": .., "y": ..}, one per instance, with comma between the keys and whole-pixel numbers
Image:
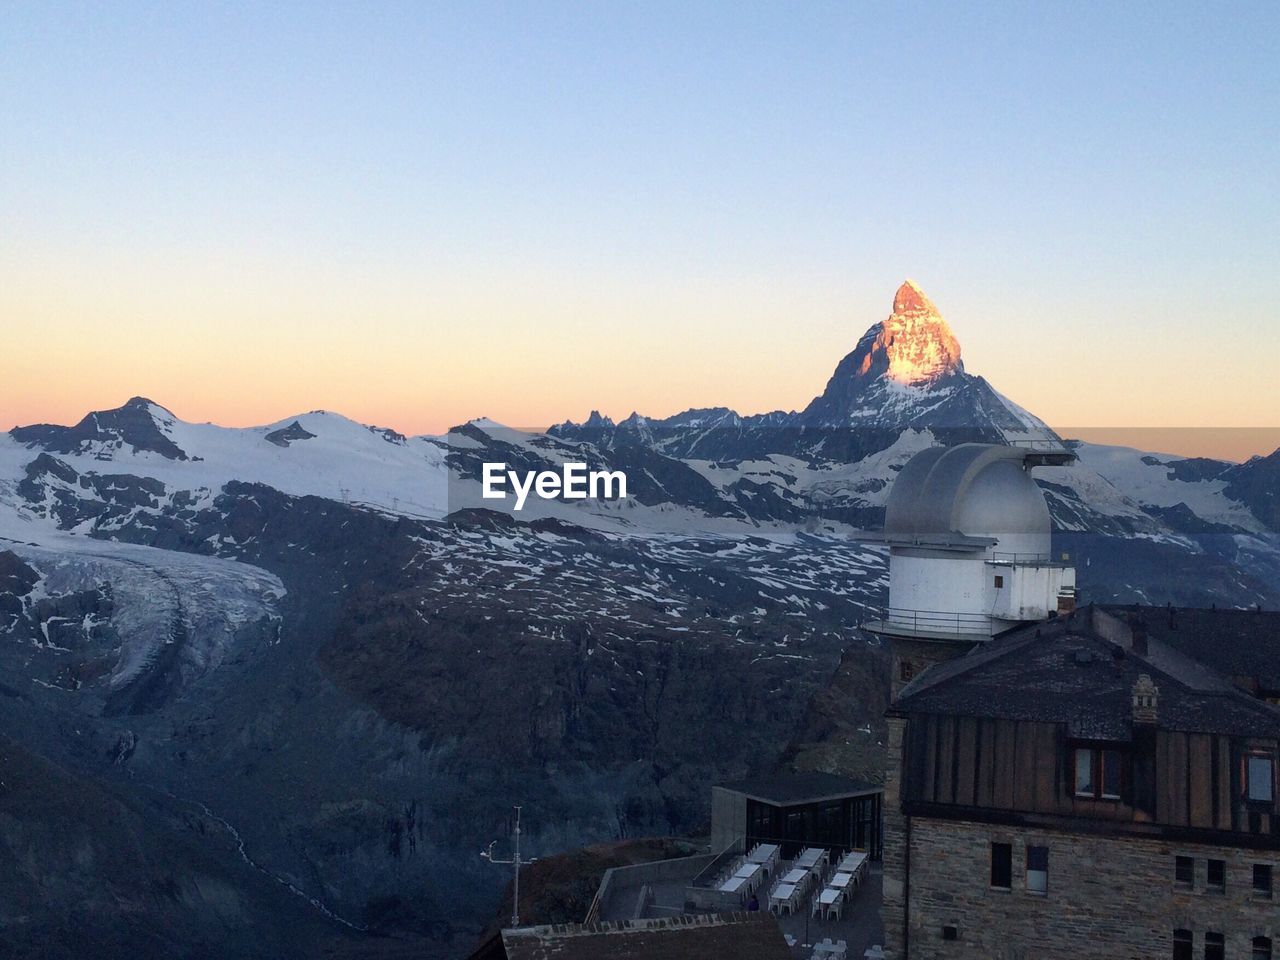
[{"x": 315, "y": 643}]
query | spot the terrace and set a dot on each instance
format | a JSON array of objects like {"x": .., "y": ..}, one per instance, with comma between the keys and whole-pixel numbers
[{"x": 670, "y": 888}]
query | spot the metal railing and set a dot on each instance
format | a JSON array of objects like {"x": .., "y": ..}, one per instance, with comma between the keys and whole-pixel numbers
[
  {"x": 711, "y": 872},
  {"x": 936, "y": 621},
  {"x": 1029, "y": 559}
]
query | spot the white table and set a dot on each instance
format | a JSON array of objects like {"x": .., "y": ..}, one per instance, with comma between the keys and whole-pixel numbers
[
  {"x": 784, "y": 894},
  {"x": 795, "y": 876},
  {"x": 852, "y": 862},
  {"x": 832, "y": 950},
  {"x": 763, "y": 853},
  {"x": 810, "y": 856},
  {"x": 733, "y": 884},
  {"x": 747, "y": 870},
  {"x": 829, "y": 896},
  {"x": 840, "y": 881}
]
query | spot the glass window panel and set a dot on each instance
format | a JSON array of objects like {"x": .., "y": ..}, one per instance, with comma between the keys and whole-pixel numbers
[
  {"x": 1262, "y": 878},
  {"x": 1084, "y": 772},
  {"x": 1184, "y": 870},
  {"x": 1111, "y": 774},
  {"x": 1217, "y": 873},
  {"x": 1001, "y": 865},
  {"x": 1260, "y": 779},
  {"x": 1038, "y": 869}
]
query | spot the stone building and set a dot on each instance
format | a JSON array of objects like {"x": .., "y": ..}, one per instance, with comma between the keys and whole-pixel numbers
[{"x": 1101, "y": 784}]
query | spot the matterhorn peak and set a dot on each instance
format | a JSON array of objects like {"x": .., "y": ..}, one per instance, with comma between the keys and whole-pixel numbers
[
  {"x": 915, "y": 341},
  {"x": 911, "y": 299}
]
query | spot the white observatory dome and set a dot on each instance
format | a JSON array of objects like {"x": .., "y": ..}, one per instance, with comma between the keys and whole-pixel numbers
[
  {"x": 970, "y": 543},
  {"x": 958, "y": 496}
]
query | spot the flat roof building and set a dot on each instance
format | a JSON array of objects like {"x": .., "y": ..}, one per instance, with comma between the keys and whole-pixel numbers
[{"x": 795, "y": 810}]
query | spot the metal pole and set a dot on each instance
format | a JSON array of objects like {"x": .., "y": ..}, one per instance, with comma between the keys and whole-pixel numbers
[
  {"x": 516, "y": 863},
  {"x": 515, "y": 901}
]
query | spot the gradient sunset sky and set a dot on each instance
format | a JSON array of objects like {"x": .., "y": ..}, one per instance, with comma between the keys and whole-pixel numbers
[{"x": 416, "y": 214}]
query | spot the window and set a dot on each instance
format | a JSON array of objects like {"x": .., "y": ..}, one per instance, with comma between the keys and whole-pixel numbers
[
  {"x": 1261, "y": 948},
  {"x": 1110, "y": 774},
  {"x": 906, "y": 670},
  {"x": 1217, "y": 878},
  {"x": 1262, "y": 879},
  {"x": 1098, "y": 773},
  {"x": 1002, "y": 865},
  {"x": 1084, "y": 773},
  {"x": 1182, "y": 945},
  {"x": 1037, "y": 869},
  {"x": 1259, "y": 779},
  {"x": 949, "y": 932},
  {"x": 1184, "y": 871},
  {"x": 999, "y": 581},
  {"x": 1215, "y": 947}
]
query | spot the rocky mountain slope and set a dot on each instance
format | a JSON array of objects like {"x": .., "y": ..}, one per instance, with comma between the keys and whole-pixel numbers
[{"x": 311, "y": 655}]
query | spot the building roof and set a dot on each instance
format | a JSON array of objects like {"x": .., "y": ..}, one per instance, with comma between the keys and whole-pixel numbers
[
  {"x": 962, "y": 496},
  {"x": 742, "y": 936},
  {"x": 790, "y": 789},
  {"x": 1243, "y": 645},
  {"x": 1080, "y": 670}
]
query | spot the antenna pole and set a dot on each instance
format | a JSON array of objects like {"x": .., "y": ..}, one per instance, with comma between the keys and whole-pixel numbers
[
  {"x": 515, "y": 899},
  {"x": 516, "y": 863}
]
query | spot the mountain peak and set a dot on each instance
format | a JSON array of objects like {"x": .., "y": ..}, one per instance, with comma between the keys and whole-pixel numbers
[
  {"x": 915, "y": 341},
  {"x": 911, "y": 299}
]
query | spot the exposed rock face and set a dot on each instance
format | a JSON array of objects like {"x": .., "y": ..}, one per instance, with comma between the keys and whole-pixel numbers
[
  {"x": 283, "y": 436},
  {"x": 906, "y": 371},
  {"x": 133, "y": 425},
  {"x": 914, "y": 344}
]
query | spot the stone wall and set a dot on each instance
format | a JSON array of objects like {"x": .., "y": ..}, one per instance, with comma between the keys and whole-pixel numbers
[
  {"x": 1109, "y": 898},
  {"x": 892, "y": 903},
  {"x": 920, "y": 655}
]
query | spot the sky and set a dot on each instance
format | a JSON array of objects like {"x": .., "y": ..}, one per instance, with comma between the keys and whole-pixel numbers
[{"x": 416, "y": 214}]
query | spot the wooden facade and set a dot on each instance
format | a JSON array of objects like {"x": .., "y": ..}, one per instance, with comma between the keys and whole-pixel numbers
[{"x": 966, "y": 766}]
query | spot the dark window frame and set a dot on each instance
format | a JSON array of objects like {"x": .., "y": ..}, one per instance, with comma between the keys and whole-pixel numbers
[
  {"x": 1185, "y": 864},
  {"x": 1037, "y": 853},
  {"x": 1183, "y": 944},
  {"x": 1214, "y": 866},
  {"x": 1260, "y": 948},
  {"x": 1247, "y": 779},
  {"x": 1001, "y": 865},
  {"x": 1215, "y": 945},
  {"x": 1263, "y": 872},
  {"x": 1101, "y": 786}
]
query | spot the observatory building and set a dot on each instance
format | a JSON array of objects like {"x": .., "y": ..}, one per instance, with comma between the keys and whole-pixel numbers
[{"x": 969, "y": 552}]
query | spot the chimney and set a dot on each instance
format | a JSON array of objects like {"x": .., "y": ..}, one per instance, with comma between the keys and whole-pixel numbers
[
  {"x": 1138, "y": 636},
  {"x": 1146, "y": 700}
]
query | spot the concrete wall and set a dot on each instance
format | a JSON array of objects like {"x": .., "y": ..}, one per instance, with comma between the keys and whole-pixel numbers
[
  {"x": 628, "y": 880},
  {"x": 1109, "y": 898}
]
